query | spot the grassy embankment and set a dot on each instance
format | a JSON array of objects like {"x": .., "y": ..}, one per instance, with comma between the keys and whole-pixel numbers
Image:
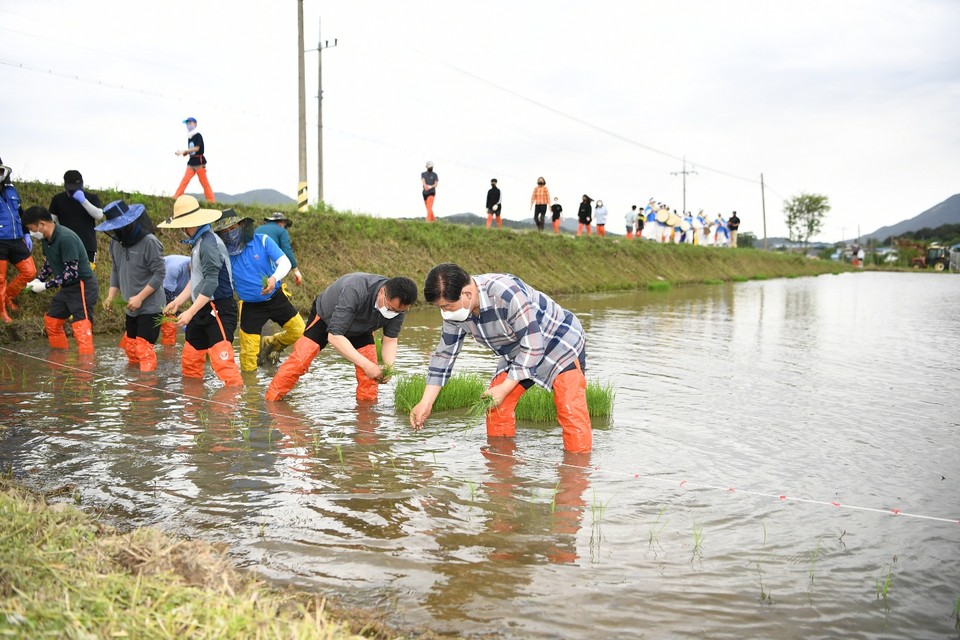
[
  {"x": 64, "y": 575},
  {"x": 329, "y": 244}
]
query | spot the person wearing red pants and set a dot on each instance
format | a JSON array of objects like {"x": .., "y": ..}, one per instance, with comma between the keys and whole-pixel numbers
[
  {"x": 539, "y": 342},
  {"x": 346, "y": 314},
  {"x": 66, "y": 267},
  {"x": 197, "y": 162},
  {"x": 136, "y": 273},
  {"x": 15, "y": 246},
  {"x": 212, "y": 317}
]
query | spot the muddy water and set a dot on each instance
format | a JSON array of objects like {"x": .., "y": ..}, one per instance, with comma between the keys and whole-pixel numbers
[{"x": 763, "y": 435}]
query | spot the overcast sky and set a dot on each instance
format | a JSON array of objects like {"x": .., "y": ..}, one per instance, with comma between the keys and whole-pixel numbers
[{"x": 857, "y": 100}]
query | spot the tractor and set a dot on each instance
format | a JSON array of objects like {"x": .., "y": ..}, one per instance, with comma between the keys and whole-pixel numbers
[{"x": 937, "y": 257}]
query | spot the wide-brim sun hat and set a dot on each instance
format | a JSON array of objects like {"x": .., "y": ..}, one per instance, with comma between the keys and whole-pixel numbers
[
  {"x": 276, "y": 216},
  {"x": 187, "y": 213},
  {"x": 228, "y": 219},
  {"x": 118, "y": 215}
]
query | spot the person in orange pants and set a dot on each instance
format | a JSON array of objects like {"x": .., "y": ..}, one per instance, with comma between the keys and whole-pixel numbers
[
  {"x": 429, "y": 182},
  {"x": 197, "y": 162},
  {"x": 346, "y": 314},
  {"x": 556, "y": 213},
  {"x": 493, "y": 204},
  {"x": 539, "y": 342},
  {"x": 15, "y": 246},
  {"x": 66, "y": 267},
  {"x": 584, "y": 215},
  {"x": 211, "y": 319},
  {"x": 136, "y": 273},
  {"x": 175, "y": 280}
]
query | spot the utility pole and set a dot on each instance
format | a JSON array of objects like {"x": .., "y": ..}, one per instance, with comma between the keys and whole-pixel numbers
[
  {"x": 321, "y": 45},
  {"x": 684, "y": 174},
  {"x": 763, "y": 203},
  {"x": 302, "y": 120}
]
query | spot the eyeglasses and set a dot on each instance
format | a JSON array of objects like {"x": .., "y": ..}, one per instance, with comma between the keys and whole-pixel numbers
[{"x": 386, "y": 304}]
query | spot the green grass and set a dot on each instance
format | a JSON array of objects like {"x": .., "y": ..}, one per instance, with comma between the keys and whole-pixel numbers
[
  {"x": 658, "y": 285},
  {"x": 464, "y": 390},
  {"x": 713, "y": 281},
  {"x": 759, "y": 276},
  {"x": 739, "y": 278},
  {"x": 884, "y": 582},
  {"x": 390, "y": 247}
]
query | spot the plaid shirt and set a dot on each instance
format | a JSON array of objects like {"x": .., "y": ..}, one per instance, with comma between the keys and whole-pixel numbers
[
  {"x": 541, "y": 195},
  {"x": 535, "y": 337}
]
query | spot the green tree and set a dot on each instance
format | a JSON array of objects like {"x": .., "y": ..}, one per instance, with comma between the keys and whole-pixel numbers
[
  {"x": 747, "y": 240},
  {"x": 804, "y": 215}
]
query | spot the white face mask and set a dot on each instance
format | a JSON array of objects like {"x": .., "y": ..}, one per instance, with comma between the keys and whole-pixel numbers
[
  {"x": 385, "y": 312},
  {"x": 36, "y": 235},
  {"x": 460, "y": 315}
]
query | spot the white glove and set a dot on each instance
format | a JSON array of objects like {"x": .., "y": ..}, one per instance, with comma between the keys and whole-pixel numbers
[{"x": 37, "y": 286}]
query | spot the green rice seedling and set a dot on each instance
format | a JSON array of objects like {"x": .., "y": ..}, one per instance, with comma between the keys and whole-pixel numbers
[
  {"x": 739, "y": 278},
  {"x": 119, "y": 303},
  {"x": 597, "y": 509},
  {"x": 473, "y": 489},
  {"x": 956, "y": 614},
  {"x": 264, "y": 280},
  {"x": 162, "y": 319},
  {"x": 339, "y": 453},
  {"x": 262, "y": 529},
  {"x": 553, "y": 500},
  {"x": 697, "y": 538},
  {"x": 764, "y": 527},
  {"x": 713, "y": 281},
  {"x": 658, "y": 285},
  {"x": 481, "y": 406},
  {"x": 812, "y": 571},
  {"x": 657, "y": 528},
  {"x": 460, "y": 391},
  {"x": 387, "y": 371},
  {"x": 883, "y": 583},
  {"x": 317, "y": 443}
]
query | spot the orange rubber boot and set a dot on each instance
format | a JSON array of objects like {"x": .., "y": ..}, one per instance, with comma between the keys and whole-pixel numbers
[
  {"x": 3, "y": 291},
  {"x": 224, "y": 363},
  {"x": 26, "y": 271},
  {"x": 570, "y": 399},
  {"x": 168, "y": 334},
  {"x": 192, "y": 360},
  {"x": 366, "y": 387},
  {"x": 501, "y": 421},
  {"x": 147, "y": 355},
  {"x": 296, "y": 364},
  {"x": 129, "y": 345},
  {"x": 55, "y": 335},
  {"x": 83, "y": 332}
]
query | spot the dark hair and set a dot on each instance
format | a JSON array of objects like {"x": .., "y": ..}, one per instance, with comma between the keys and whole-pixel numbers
[
  {"x": 541, "y": 180},
  {"x": 445, "y": 281},
  {"x": 401, "y": 287},
  {"x": 36, "y": 214}
]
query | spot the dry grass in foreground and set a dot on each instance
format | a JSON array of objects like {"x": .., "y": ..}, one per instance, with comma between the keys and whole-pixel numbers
[{"x": 64, "y": 575}]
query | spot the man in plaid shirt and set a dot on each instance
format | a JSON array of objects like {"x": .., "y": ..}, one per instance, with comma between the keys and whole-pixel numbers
[{"x": 539, "y": 342}]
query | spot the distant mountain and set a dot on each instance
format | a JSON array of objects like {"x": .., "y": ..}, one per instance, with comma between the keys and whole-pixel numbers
[
  {"x": 947, "y": 212},
  {"x": 257, "y": 196}
]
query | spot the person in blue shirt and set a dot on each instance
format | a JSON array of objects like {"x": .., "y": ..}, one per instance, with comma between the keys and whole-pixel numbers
[
  {"x": 15, "y": 245},
  {"x": 174, "y": 282},
  {"x": 276, "y": 226},
  {"x": 258, "y": 267}
]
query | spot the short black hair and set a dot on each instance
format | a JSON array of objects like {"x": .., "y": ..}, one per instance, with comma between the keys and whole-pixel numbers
[
  {"x": 446, "y": 281},
  {"x": 401, "y": 287},
  {"x": 36, "y": 214}
]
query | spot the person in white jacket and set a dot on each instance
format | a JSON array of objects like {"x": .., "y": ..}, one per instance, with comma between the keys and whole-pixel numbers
[{"x": 600, "y": 217}]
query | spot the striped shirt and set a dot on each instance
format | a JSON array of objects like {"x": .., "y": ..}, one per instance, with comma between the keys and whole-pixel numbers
[
  {"x": 535, "y": 337},
  {"x": 541, "y": 195}
]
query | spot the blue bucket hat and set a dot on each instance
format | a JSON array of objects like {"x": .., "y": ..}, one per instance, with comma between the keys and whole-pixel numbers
[{"x": 118, "y": 215}]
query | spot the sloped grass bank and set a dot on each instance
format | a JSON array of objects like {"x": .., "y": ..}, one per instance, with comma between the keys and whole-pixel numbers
[{"x": 329, "y": 244}]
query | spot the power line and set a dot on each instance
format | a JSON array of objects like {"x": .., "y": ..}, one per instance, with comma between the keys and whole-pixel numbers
[{"x": 576, "y": 119}]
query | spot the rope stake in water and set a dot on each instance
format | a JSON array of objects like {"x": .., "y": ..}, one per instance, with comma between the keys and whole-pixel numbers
[{"x": 683, "y": 484}]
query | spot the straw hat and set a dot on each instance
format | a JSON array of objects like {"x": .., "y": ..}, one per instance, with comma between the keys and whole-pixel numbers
[{"x": 187, "y": 213}]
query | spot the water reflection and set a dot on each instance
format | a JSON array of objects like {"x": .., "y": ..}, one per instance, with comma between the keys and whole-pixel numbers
[{"x": 835, "y": 388}]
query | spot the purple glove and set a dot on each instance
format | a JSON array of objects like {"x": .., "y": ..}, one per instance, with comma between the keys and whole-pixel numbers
[{"x": 79, "y": 197}]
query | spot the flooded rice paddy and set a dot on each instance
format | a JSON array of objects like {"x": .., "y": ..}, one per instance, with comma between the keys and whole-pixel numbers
[{"x": 783, "y": 461}]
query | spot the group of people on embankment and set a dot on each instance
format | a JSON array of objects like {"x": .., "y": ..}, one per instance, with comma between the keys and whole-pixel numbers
[
  {"x": 234, "y": 281},
  {"x": 661, "y": 223}
]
